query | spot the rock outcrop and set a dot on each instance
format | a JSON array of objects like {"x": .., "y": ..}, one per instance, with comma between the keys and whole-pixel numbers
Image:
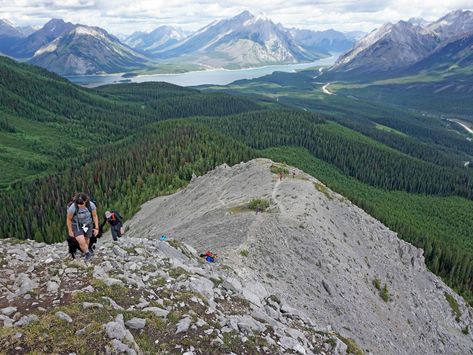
[
  {"x": 310, "y": 274},
  {"x": 320, "y": 255},
  {"x": 142, "y": 296}
]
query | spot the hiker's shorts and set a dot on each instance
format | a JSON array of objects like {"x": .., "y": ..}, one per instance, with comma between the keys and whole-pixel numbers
[{"x": 77, "y": 230}]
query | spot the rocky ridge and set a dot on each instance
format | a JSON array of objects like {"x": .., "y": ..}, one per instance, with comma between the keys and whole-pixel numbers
[
  {"x": 143, "y": 296},
  {"x": 319, "y": 253},
  {"x": 308, "y": 273}
]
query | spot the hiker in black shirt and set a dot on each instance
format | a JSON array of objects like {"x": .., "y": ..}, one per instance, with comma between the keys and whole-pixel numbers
[{"x": 116, "y": 223}]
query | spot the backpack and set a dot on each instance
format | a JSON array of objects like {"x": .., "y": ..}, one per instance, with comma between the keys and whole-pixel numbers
[
  {"x": 87, "y": 204},
  {"x": 209, "y": 256},
  {"x": 116, "y": 216}
]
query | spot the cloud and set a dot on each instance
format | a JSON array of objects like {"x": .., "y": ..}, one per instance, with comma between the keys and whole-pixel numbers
[{"x": 120, "y": 16}]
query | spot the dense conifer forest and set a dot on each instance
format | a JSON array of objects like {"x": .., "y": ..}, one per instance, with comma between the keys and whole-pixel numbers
[{"x": 125, "y": 144}]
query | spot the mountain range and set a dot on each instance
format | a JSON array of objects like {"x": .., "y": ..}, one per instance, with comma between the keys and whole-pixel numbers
[
  {"x": 158, "y": 39},
  {"x": 409, "y": 47},
  {"x": 403, "y": 48},
  {"x": 87, "y": 50},
  {"x": 242, "y": 41}
]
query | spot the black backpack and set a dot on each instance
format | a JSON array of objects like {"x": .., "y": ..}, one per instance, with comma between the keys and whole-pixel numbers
[{"x": 87, "y": 204}]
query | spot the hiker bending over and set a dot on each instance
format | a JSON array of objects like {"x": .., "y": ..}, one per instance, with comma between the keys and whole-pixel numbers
[
  {"x": 116, "y": 223},
  {"x": 81, "y": 219}
]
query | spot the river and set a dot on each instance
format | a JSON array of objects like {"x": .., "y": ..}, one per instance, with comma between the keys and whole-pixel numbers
[{"x": 196, "y": 78}]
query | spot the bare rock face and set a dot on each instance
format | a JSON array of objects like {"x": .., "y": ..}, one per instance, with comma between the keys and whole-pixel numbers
[{"x": 312, "y": 255}]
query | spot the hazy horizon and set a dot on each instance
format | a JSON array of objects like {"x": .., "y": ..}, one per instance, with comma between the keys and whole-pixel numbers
[{"x": 119, "y": 17}]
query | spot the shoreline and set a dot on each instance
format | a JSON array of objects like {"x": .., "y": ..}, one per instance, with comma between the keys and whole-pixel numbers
[{"x": 296, "y": 65}]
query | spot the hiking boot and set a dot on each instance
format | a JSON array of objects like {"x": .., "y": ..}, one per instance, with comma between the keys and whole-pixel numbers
[{"x": 87, "y": 257}]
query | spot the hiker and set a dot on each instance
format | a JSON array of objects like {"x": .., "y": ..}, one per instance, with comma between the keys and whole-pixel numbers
[
  {"x": 81, "y": 219},
  {"x": 116, "y": 224},
  {"x": 74, "y": 245},
  {"x": 209, "y": 256}
]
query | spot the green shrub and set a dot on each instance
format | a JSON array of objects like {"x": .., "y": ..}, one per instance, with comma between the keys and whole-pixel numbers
[
  {"x": 244, "y": 253},
  {"x": 454, "y": 305},
  {"x": 352, "y": 347},
  {"x": 278, "y": 169},
  {"x": 384, "y": 293},
  {"x": 323, "y": 189},
  {"x": 377, "y": 284},
  {"x": 258, "y": 204}
]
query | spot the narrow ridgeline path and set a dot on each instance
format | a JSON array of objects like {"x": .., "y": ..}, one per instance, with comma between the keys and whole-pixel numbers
[{"x": 314, "y": 250}]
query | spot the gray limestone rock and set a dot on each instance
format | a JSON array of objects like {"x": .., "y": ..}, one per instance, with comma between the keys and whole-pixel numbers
[
  {"x": 136, "y": 323},
  {"x": 318, "y": 253},
  {"x": 183, "y": 325},
  {"x": 119, "y": 251},
  {"x": 113, "y": 303},
  {"x": 247, "y": 324},
  {"x": 109, "y": 281},
  {"x": 202, "y": 285},
  {"x": 116, "y": 329},
  {"x": 232, "y": 283},
  {"x": 52, "y": 286},
  {"x": 25, "y": 320},
  {"x": 23, "y": 284},
  {"x": 64, "y": 316},
  {"x": 9, "y": 310},
  {"x": 7, "y": 321},
  {"x": 158, "y": 311},
  {"x": 121, "y": 348}
]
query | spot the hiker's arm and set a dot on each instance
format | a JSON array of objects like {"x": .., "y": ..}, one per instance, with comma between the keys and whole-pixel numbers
[
  {"x": 69, "y": 224},
  {"x": 96, "y": 221},
  {"x": 103, "y": 223}
]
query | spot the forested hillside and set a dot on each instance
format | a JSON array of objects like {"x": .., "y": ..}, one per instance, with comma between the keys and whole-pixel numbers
[
  {"x": 45, "y": 119},
  {"x": 420, "y": 135},
  {"x": 356, "y": 155},
  {"x": 118, "y": 144}
]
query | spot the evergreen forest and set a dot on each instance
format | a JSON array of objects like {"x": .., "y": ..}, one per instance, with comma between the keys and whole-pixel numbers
[{"x": 127, "y": 143}]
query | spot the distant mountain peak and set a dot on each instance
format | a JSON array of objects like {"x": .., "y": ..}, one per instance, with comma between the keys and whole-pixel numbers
[
  {"x": 390, "y": 47},
  {"x": 244, "y": 15},
  {"x": 419, "y": 21},
  {"x": 453, "y": 24},
  {"x": 8, "y": 29},
  {"x": 8, "y": 22},
  {"x": 89, "y": 31},
  {"x": 51, "y": 24}
]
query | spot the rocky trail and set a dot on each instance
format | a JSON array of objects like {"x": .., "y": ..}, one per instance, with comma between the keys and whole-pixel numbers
[
  {"x": 142, "y": 296},
  {"x": 309, "y": 274}
]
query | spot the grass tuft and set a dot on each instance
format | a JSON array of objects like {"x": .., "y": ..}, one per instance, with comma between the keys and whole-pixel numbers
[
  {"x": 454, "y": 306},
  {"x": 259, "y": 204}
]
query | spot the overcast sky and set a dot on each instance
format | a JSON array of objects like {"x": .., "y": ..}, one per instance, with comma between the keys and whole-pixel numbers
[{"x": 123, "y": 17}]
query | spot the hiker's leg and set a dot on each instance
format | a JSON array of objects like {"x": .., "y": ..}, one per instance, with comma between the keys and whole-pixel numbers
[
  {"x": 119, "y": 230},
  {"x": 88, "y": 235},
  {"x": 113, "y": 229},
  {"x": 83, "y": 243}
]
